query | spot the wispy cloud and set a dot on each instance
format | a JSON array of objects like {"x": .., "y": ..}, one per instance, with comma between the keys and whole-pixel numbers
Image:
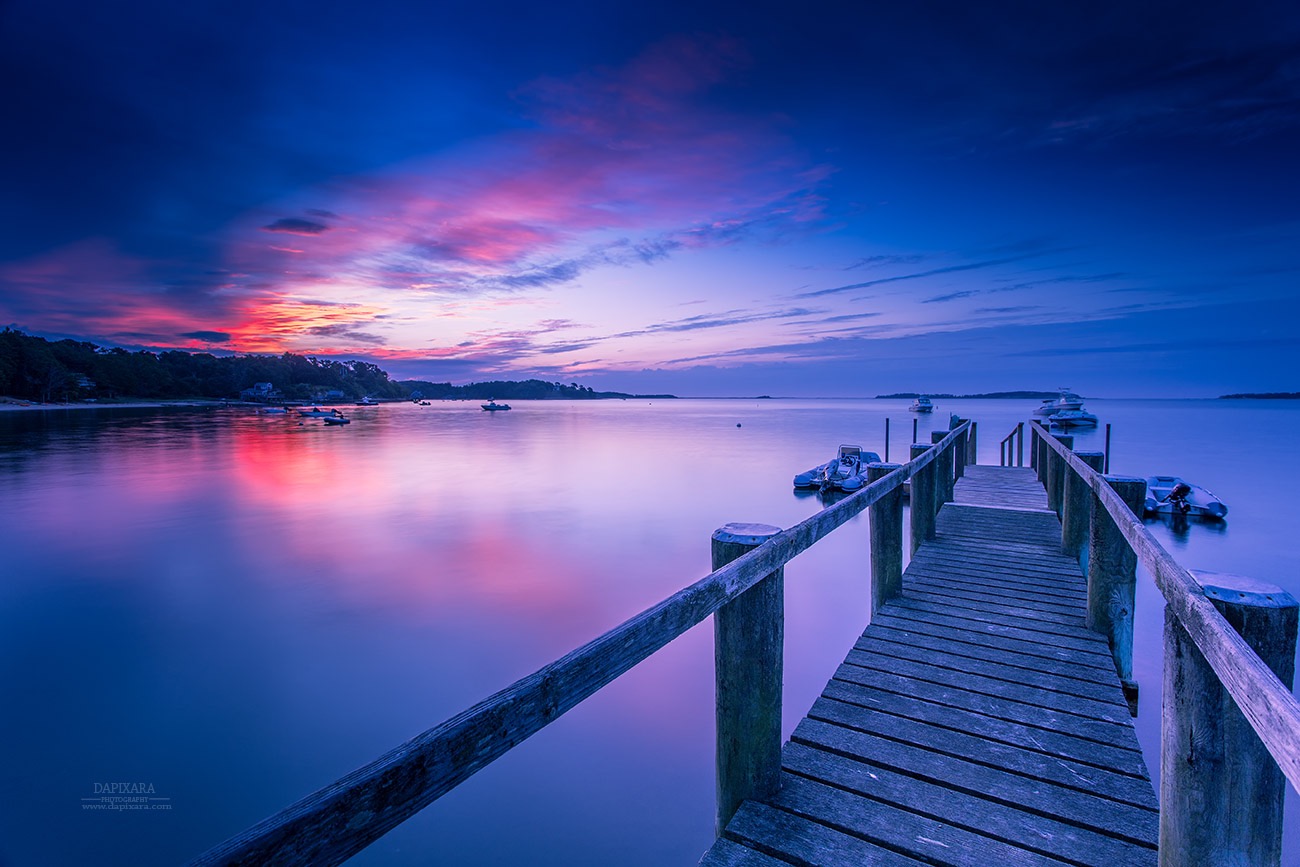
[{"x": 919, "y": 275}]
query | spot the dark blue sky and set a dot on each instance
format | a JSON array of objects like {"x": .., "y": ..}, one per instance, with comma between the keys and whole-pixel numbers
[{"x": 702, "y": 198}]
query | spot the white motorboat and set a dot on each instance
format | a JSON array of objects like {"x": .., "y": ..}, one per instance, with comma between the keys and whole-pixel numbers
[
  {"x": 1073, "y": 418},
  {"x": 848, "y": 472},
  {"x": 367, "y": 401},
  {"x": 1066, "y": 401},
  {"x": 493, "y": 406},
  {"x": 317, "y": 412},
  {"x": 1171, "y": 495},
  {"x": 921, "y": 404}
]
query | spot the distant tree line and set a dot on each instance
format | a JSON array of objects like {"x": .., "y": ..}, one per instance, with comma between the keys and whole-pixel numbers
[
  {"x": 528, "y": 389},
  {"x": 991, "y": 395},
  {"x": 1264, "y": 395},
  {"x": 33, "y": 368}
]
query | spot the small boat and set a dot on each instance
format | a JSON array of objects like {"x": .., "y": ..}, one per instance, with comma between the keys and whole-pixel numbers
[
  {"x": 367, "y": 401},
  {"x": 847, "y": 472},
  {"x": 336, "y": 419},
  {"x": 272, "y": 410},
  {"x": 921, "y": 404},
  {"x": 1073, "y": 418},
  {"x": 1066, "y": 401},
  {"x": 493, "y": 406},
  {"x": 317, "y": 412},
  {"x": 1170, "y": 495}
]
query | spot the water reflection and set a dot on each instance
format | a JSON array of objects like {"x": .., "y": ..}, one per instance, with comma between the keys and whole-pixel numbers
[{"x": 241, "y": 608}]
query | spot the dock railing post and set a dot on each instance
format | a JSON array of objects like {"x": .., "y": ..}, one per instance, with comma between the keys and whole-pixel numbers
[
  {"x": 1112, "y": 579},
  {"x": 1220, "y": 791},
  {"x": 1020, "y": 444},
  {"x": 886, "y": 519},
  {"x": 959, "y": 449},
  {"x": 748, "y": 636},
  {"x": 972, "y": 444},
  {"x": 1056, "y": 473},
  {"x": 1076, "y": 512},
  {"x": 944, "y": 468},
  {"x": 923, "y": 499},
  {"x": 1033, "y": 450}
]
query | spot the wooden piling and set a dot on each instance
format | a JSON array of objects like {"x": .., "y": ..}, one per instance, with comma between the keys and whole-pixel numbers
[
  {"x": 1033, "y": 450},
  {"x": 886, "y": 439},
  {"x": 886, "y": 518},
  {"x": 943, "y": 470},
  {"x": 923, "y": 507},
  {"x": 972, "y": 444},
  {"x": 1020, "y": 444},
  {"x": 1076, "y": 509},
  {"x": 1056, "y": 473},
  {"x": 914, "y": 421},
  {"x": 959, "y": 449},
  {"x": 1220, "y": 791},
  {"x": 1112, "y": 581},
  {"x": 748, "y": 641}
]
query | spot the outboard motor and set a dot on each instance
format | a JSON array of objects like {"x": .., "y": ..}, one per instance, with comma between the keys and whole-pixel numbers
[{"x": 1178, "y": 498}]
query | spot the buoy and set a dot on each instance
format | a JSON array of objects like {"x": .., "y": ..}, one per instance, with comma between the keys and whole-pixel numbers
[{"x": 737, "y": 424}]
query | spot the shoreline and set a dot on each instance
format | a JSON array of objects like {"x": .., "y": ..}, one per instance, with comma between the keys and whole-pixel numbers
[{"x": 33, "y": 406}]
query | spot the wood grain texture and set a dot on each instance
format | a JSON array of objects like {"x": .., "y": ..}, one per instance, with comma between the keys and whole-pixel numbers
[
  {"x": 1267, "y": 703},
  {"x": 977, "y": 720}
]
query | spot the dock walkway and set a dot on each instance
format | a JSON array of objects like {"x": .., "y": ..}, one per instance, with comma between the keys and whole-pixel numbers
[{"x": 976, "y": 721}]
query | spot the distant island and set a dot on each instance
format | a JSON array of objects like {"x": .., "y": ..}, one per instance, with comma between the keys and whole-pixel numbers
[
  {"x": 992, "y": 395},
  {"x": 36, "y": 369},
  {"x": 1266, "y": 395}
]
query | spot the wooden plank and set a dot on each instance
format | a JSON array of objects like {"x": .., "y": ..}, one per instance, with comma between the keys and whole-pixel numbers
[
  {"x": 995, "y": 706},
  {"x": 798, "y": 840},
  {"x": 973, "y": 748},
  {"x": 1025, "y": 829},
  {"x": 1003, "y": 583},
  {"x": 924, "y": 640},
  {"x": 972, "y": 622},
  {"x": 1088, "y": 708},
  {"x": 911, "y": 834},
  {"x": 1085, "y": 810},
  {"x": 874, "y": 644},
  {"x": 957, "y": 589},
  {"x": 1125, "y": 758},
  {"x": 1001, "y": 608},
  {"x": 908, "y": 620},
  {"x": 725, "y": 853}
]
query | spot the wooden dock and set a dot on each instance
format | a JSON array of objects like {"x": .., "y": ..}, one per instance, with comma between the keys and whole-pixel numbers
[{"x": 976, "y": 721}]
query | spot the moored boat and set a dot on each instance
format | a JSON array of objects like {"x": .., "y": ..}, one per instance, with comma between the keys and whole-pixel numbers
[
  {"x": 493, "y": 406},
  {"x": 1065, "y": 401},
  {"x": 1171, "y": 495},
  {"x": 921, "y": 404},
  {"x": 317, "y": 412},
  {"x": 847, "y": 472},
  {"x": 337, "y": 419},
  {"x": 1073, "y": 418},
  {"x": 367, "y": 401}
]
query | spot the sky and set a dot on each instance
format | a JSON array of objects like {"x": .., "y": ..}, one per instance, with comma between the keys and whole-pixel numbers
[{"x": 707, "y": 199}]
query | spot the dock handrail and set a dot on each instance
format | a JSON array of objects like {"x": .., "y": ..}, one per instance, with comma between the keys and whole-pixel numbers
[
  {"x": 344, "y": 817},
  {"x": 1265, "y": 701},
  {"x": 1014, "y": 439}
]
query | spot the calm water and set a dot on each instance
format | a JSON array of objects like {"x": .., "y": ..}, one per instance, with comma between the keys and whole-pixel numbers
[{"x": 237, "y": 609}]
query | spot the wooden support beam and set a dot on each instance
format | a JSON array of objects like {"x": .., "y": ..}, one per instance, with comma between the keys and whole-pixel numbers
[
  {"x": 1221, "y": 792},
  {"x": 1112, "y": 576},
  {"x": 1055, "y": 482},
  {"x": 944, "y": 469},
  {"x": 886, "y": 518},
  {"x": 1076, "y": 509},
  {"x": 748, "y": 638},
  {"x": 923, "y": 507}
]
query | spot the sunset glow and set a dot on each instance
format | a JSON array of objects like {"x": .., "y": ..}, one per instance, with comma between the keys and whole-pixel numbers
[{"x": 705, "y": 209}]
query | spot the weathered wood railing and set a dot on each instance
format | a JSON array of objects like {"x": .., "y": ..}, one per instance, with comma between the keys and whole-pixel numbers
[
  {"x": 744, "y": 592},
  {"x": 1016, "y": 440},
  {"x": 1220, "y": 792}
]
